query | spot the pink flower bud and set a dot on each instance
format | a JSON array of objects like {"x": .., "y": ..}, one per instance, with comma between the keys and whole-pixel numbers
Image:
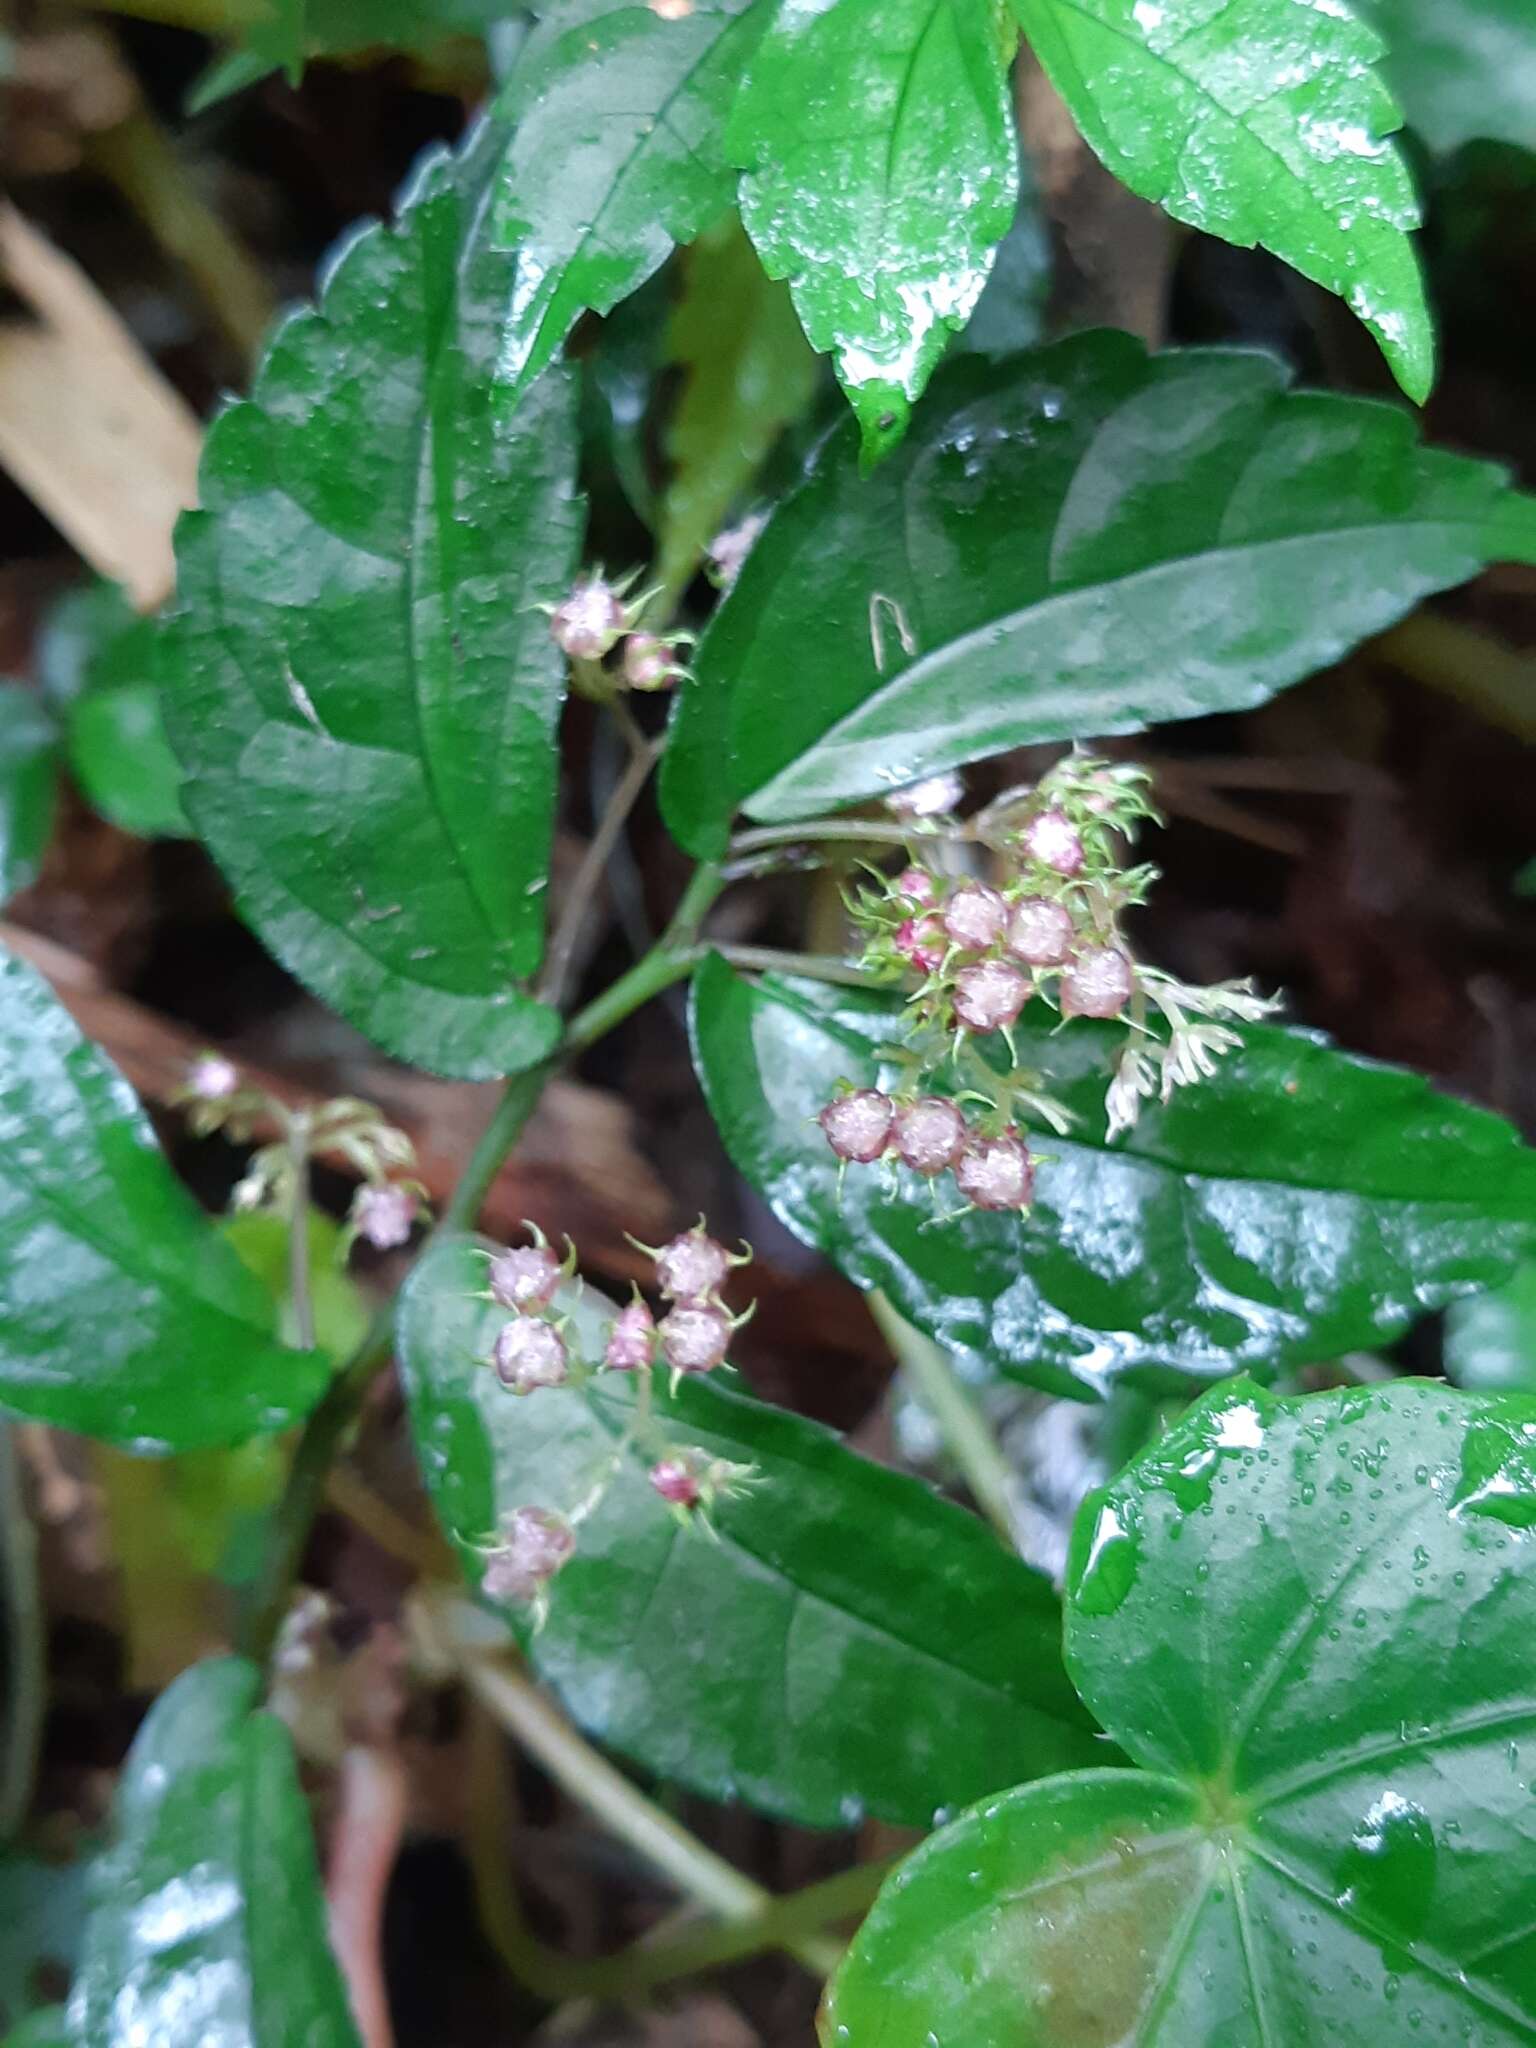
[
  {"x": 695, "y": 1339},
  {"x": 526, "y": 1277},
  {"x": 632, "y": 1340},
  {"x": 975, "y": 917},
  {"x": 649, "y": 663},
  {"x": 916, "y": 885},
  {"x": 929, "y": 1134},
  {"x": 675, "y": 1482},
  {"x": 1098, "y": 983},
  {"x": 536, "y": 1543},
  {"x": 929, "y": 798},
  {"x": 1052, "y": 839},
  {"x": 212, "y": 1077},
  {"x": 692, "y": 1267},
  {"x": 996, "y": 1173},
  {"x": 858, "y": 1126},
  {"x": 990, "y": 995},
  {"x": 588, "y": 622},
  {"x": 384, "y": 1216},
  {"x": 530, "y": 1354},
  {"x": 922, "y": 941},
  {"x": 1041, "y": 932}
]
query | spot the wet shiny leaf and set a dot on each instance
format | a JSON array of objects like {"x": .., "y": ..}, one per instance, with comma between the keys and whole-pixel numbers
[
  {"x": 28, "y": 784},
  {"x": 122, "y": 1312},
  {"x": 1310, "y": 1622},
  {"x": 1462, "y": 69},
  {"x": 358, "y": 682},
  {"x": 617, "y": 110},
  {"x": 1300, "y": 1203},
  {"x": 1081, "y": 540},
  {"x": 748, "y": 375},
  {"x": 1490, "y": 1339},
  {"x": 1262, "y": 121},
  {"x": 208, "y": 1924},
  {"x": 878, "y": 142},
  {"x": 852, "y": 1642}
]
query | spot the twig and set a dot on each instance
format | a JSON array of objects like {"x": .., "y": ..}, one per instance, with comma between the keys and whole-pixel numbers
[{"x": 960, "y": 1420}]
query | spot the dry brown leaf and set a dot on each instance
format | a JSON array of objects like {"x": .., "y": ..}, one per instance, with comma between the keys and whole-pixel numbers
[{"x": 88, "y": 426}]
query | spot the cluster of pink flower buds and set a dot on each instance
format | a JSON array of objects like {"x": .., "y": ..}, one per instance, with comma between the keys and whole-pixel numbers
[
  {"x": 595, "y": 617},
  {"x": 695, "y": 1333},
  {"x": 974, "y": 952},
  {"x": 930, "y": 1135},
  {"x": 533, "y": 1351}
]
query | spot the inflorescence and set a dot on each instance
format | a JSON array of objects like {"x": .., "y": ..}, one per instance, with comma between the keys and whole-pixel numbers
[
  {"x": 973, "y": 953},
  {"x": 538, "y": 1348}
]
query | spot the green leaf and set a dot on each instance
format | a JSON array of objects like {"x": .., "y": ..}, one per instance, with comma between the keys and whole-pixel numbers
[
  {"x": 882, "y": 171},
  {"x": 28, "y": 783},
  {"x": 1300, "y": 1203},
  {"x": 1262, "y": 121},
  {"x": 122, "y": 1313},
  {"x": 1490, "y": 1339},
  {"x": 361, "y": 690},
  {"x": 1082, "y": 540},
  {"x": 615, "y": 155},
  {"x": 208, "y": 1922},
  {"x": 97, "y": 659},
  {"x": 286, "y": 33},
  {"x": 748, "y": 376},
  {"x": 1462, "y": 69},
  {"x": 851, "y": 1641},
  {"x": 122, "y": 760},
  {"x": 1310, "y": 1622},
  {"x": 339, "y": 1307}
]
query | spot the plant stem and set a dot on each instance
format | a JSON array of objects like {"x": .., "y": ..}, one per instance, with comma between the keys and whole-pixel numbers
[
  {"x": 784, "y": 1922},
  {"x": 518, "y": 1101},
  {"x": 584, "y": 883},
  {"x": 675, "y": 954},
  {"x": 595, "y": 1784},
  {"x": 814, "y": 966},
  {"x": 300, "y": 1306},
  {"x": 964, "y": 1428},
  {"x": 857, "y": 831}
]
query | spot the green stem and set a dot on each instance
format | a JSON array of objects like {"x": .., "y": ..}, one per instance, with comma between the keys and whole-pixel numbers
[
  {"x": 813, "y": 966},
  {"x": 964, "y": 1428},
  {"x": 674, "y": 955},
  {"x": 786, "y": 1922},
  {"x": 857, "y": 831},
  {"x": 595, "y": 1784},
  {"x": 518, "y": 1101},
  {"x": 300, "y": 1305}
]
